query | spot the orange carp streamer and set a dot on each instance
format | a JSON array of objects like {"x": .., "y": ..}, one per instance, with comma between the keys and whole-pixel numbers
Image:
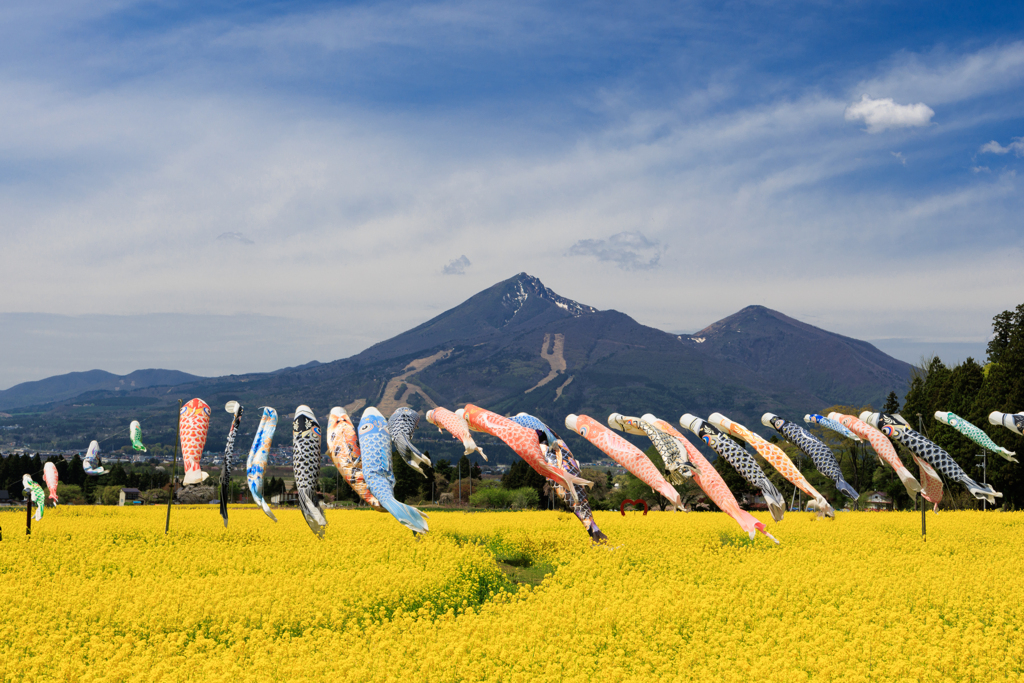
[
  {"x": 711, "y": 482},
  {"x": 777, "y": 458},
  {"x": 456, "y": 426},
  {"x": 525, "y": 442},
  {"x": 194, "y": 423},
  {"x": 882, "y": 447},
  {"x": 343, "y": 447},
  {"x": 624, "y": 453},
  {"x": 50, "y": 477}
]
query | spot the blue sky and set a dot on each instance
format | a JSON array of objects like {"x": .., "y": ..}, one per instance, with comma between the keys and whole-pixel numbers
[{"x": 357, "y": 168}]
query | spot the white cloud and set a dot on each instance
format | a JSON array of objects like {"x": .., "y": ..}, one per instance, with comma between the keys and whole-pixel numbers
[
  {"x": 993, "y": 147},
  {"x": 457, "y": 266},
  {"x": 629, "y": 250},
  {"x": 135, "y": 180},
  {"x": 884, "y": 113},
  {"x": 899, "y": 157}
]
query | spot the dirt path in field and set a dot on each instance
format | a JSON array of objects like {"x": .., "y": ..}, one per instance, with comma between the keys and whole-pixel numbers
[
  {"x": 355, "y": 405},
  {"x": 555, "y": 358},
  {"x": 391, "y": 401}
]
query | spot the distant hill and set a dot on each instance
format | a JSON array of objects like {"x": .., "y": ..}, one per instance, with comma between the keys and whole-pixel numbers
[
  {"x": 63, "y": 387},
  {"x": 518, "y": 346},
  {"x": 834, "y": 368}
]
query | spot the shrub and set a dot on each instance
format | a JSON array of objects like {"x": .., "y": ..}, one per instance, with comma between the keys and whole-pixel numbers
[
  {"x": 108, "y": 495},
  {"x": 493, "y": 498},
  {"x": 496, "y": 498},
  {"x": 525, "y": 497},
  {"x": 154, "y": 496},
  {"x": 70, "y": 494}
]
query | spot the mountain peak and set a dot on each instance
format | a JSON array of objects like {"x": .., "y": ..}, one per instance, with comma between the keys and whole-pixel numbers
[
  {"x": 744, "y": 315},
  {"x": 523, "y": 285},
  {"x": 521, "y": 302},
  {"x": 786, "y": 350}
]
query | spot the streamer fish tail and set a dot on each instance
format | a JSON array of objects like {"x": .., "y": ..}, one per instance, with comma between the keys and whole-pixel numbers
[
  {"x": 312, "y": 513},
  {"x": 407, "y": 515},
  {"x": 759, "y": 526},
  {"x": 844, "y": 487},
  {"x": 981, "y": 491},
  {"x": 776, "y": 503}
]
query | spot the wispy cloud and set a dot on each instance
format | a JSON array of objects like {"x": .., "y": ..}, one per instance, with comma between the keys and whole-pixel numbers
[
  {"x": 942, "y": 76},
  {"x": 368, "y": 146},
  {"x": 234, "y": 237},
  {"x": 993, "y": 147},
  {"x": 883, "y": 114},
  {"x": 457, "y": 266},
  {"x": 629, "y": 250}
]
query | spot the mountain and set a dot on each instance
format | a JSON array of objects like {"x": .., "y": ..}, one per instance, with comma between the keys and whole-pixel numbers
[
  {"x": 518, "y": 346},
  {"x": 515, "y": 305},
  {"x": 62, "y": 387},
  {"x": 835, "y": 368}
]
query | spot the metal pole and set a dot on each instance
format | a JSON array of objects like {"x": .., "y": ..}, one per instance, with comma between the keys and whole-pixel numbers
[
  {"x": 924, "y": 530},
  {"x": 460, "y": 482},
  {"x": 984, "y": 474},
  {"x": 28, "y": 514},
  {"x": 174, "y": 469}
]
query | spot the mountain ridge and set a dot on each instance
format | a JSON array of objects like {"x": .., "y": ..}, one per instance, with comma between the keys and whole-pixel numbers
[
  {"x": 518, "y": 346},
  {"x": 72, "y": 384},
  {"x": 783, "y": 349}
]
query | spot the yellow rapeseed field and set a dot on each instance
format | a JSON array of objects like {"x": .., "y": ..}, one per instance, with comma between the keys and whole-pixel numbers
[{"x": 101, "y": 594}]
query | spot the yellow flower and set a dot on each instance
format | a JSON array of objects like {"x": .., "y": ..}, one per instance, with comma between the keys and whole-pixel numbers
[{"x": 96, "y": 594}]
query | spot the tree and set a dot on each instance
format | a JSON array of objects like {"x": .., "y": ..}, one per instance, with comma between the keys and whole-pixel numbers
[
  {"x": 70, "y": 494},
  {"x": 76, "y": 474},
  {"x": 521, "y": 475},
  {"x": 273, "y": 487},
  {"x": 428, "y": 478},
  {"x": 110, "y": 495},
  {"x": 972, "y": 392},
  {"x": 464, "y": 468},
  {"x": 602, "y": 484},
  {"x": 444, "y": 468},
  {"x": 117, "y": 476},
  {"x": 407, "y": 480},
  {"x": 892, "y": 404}
]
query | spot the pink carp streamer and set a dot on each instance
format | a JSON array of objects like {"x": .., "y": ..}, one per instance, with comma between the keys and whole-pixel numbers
[
  {"x": 525, "y": 442},
  {"x": 712, "y": 484},
  {"x": 624, "y": 453},
  {"x": 50, "y": 477},
  {"x": 777, "y": 458},
  {"x": 194, "y": 423},
  {"x": 931, "y": 483},
  {"x": 456, "y": 426},
  {"x": 882, "y": 447}
]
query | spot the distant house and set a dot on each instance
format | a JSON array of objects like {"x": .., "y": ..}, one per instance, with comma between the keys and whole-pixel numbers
[
  {"x": 753, "y": 502},
  {"x": 878, "y": 500},
  {"x": 129, "y": 497},
  {"x": 285, "y": 499}
]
